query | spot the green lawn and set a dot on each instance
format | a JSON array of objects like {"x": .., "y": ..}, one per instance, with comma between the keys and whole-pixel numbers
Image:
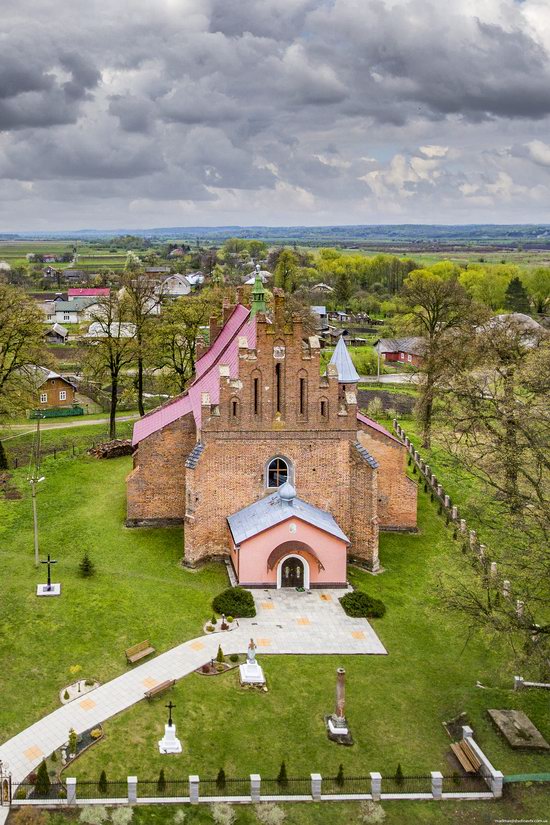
[
  {"x": 396, "y": 704},
  {"x": 139, "y": 591}
]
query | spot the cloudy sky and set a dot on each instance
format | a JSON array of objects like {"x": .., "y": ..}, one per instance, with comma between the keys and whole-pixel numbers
[{"x": 142, "y": 113}]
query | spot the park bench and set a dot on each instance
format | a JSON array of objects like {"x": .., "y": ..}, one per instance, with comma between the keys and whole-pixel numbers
[
  {"x": 137, "y": 652},
  {"x": 160, "y": 688},
  {"x": 466, "y": 756}
]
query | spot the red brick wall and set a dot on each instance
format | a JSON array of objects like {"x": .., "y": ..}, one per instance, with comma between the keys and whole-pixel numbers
[
  {"x": 156, "y": 485},
  {"x": 396, "y": 492}
]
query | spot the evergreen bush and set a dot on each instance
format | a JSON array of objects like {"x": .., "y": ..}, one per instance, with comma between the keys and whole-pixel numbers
[
  {"x": 86, "y": 566},
  {"x": 42, "y": 784},
  {"x": 220, "y": 658},
  {"x": 399, "y": 778},
  {"x": 220, "y": 780},
  {"x": 340, "y": 776},
  {"x": 282, "y": 778},
  {"x": 235, "y": 601},
  {"x": 66, "y": 695},
  {"x": 161, "y": 781},
  {"x": 361, "y": 605},
  {"x": 102, "y": 784}
]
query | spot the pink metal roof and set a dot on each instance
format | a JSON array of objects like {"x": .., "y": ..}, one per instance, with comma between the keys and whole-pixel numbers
[
  {"x": 83, "y": 292},
  {"x": 225, "y": 350},
  {"x": 374, "y": 425}
]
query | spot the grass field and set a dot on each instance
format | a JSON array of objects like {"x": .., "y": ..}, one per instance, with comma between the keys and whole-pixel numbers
[{"x": 396, "y": 704}]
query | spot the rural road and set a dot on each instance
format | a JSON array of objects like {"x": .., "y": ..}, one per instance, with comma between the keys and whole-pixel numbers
[
  {"x": 396, "y": 378},
  {"x": 23, "y": 429}
]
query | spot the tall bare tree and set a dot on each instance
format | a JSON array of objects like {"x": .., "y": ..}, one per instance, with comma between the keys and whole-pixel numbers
[
  {"x": 141, "y": 292},
  {"x": 435, "y": 305},
  {"x": 111, "y": 345}
]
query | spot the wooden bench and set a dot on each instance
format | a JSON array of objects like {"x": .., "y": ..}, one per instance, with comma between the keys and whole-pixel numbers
[
  {"x": 137, "y": 652},
  {"x": 160, "y": 688},
  {"x": 466, "y": 756}
]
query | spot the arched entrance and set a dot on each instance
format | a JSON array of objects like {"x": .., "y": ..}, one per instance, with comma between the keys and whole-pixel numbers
[{"x": 293, "y": 571}]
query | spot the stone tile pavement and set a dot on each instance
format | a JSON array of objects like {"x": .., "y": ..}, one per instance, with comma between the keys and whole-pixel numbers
[{"x": 286, "y": 622}]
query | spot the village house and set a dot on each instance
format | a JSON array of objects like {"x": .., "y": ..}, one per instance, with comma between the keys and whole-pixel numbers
[
  {"x": 52, "y": 390},
  {"x": 325, "y": 288},
  {"x": 174, "y": 286},
  {"x": 69, "y": 312},
  {"x": 57, "y": 334},
  {"x": 396, "y": 351},
  {"x": 320, "y": 313},
  {"x": 268, "y": 463}
]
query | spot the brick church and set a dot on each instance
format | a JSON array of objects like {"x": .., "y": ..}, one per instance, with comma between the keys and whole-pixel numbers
[{"x": 268, "y": 463}]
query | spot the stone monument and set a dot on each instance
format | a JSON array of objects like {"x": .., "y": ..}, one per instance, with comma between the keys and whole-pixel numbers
[
  {"x": 337, "y": 726},
  {"x": 170, "y": 742},
  {"x": 251, "y": 672},
  {"x": 48, "y": 589}
]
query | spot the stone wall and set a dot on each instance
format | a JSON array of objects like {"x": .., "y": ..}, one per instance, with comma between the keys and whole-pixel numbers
[
  {"x": 156, "y": 485},
  {"x": 401, "y": 402},
  {"x": 397, "y": 493}
]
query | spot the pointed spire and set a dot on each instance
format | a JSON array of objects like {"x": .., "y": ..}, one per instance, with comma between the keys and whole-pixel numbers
[
  {"x": 258, "y": 294},
  {"x": 347, "y": 374}
]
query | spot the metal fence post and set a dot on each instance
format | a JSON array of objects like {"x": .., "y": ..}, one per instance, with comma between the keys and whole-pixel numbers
[
  {"x": 194, "y": 789},
  {"x": 316, "y": 782},
  {"x": 376, "y": 785},
  {"x": 255, "y": 785},
  {"x": 132, "y": 788},
  {"x": 437, "y": 784},
  {"x": 70, "y": 782}
]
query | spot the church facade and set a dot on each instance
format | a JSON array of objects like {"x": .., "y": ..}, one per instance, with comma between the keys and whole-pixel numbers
[{"x": 268, "y": 463}]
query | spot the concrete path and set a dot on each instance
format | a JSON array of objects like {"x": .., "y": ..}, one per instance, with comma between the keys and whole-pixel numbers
[
  {"x": 286, "y": 622},
  {"x": 66, "y": 426},
  {"x": 391, "y": 378},
  {"x": 3, "y": 815}
]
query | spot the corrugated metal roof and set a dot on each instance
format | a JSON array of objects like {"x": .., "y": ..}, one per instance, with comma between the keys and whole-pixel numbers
[
  {"x": 413, "y": 345},
  {"x": 271, "y": 510},
  {"x": 347, "y": 374}
]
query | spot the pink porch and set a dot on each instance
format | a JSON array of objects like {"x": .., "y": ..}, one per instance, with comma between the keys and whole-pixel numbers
[{"x": 289, "y": 554}]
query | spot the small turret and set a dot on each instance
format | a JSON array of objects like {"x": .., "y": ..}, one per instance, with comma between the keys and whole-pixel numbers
[
  {"x": 258, "y": 294},
  {"x": 347, "y": 374}
]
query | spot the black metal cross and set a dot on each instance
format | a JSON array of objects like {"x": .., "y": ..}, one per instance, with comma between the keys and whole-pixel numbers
[
  {"x": 170, "y": 707},
  {"x": 49, "y": 563}
]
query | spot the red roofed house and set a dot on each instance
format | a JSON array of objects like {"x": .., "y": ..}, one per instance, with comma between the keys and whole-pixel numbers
[
  {"x": 268, "y": 463},
  {"x": 88, "y": 292}
]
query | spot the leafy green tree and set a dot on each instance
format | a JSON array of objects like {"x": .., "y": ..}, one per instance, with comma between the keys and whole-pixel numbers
[
  {"x": 538, "y": 286},
  {"x": 140, "y": 291},
  {"x": 3, "y": 458},
  {"x": 343, "y": 288},
  {"x": 21, "y": 348},
  {"x": 42, "y": 784},
  {"x": 517, "y": 298},
  {"x": 175, "y": 337},
  {"x": 286, "y": 270}
]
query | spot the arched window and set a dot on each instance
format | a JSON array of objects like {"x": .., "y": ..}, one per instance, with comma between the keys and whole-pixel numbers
[{"x": 277, "y": 471}]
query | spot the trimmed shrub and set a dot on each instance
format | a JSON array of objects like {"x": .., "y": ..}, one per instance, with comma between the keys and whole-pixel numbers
[
  {"x": 86, "y": 567},
  {"x": 66, "y": 695},
  {"x": 213, "y": 620},
  {"x": 362, "y": 606},
  {"x": 94, "y": 814},
  {"x": 220, "y": 780},
  {"x": 210, "y": 628},
  {"x": 161, "y": 781},
  {"x": 102, "y": 784},
  {"x": 73, "y": 739},
  {"x": 42, "y": 784},
  {"x": 282, "y": 778},
  {"x": 229, "y": 619},
  {"x": 270, "y": 814},
  {"x": 399, "y": 779},
  {"x": 340, "y": 776},
  {"x": 122, "y": 816},
  {"x": 223, "y": 813},
  {"x": 234, "y": 657},
  {"x": 235, "y": 601},
  {"x": 220, "y": 658}
]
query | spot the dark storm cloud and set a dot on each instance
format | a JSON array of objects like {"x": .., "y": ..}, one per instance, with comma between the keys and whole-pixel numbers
[{"x": 246, "y": 102}]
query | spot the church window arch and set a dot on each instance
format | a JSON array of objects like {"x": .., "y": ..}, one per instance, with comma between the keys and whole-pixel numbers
[{"x": 278, "y": 470}]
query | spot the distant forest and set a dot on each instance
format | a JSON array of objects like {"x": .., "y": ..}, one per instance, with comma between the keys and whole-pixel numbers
[{"x": 478, "y": 236}]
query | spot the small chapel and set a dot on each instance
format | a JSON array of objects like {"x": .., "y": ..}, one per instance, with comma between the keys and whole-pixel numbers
[{"x": 268, "y": 463}]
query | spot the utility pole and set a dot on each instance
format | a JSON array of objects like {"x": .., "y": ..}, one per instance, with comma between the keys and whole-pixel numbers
[{"x": 34, "y": 480}]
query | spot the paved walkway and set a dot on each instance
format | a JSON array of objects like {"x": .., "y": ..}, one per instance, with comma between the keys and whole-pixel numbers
[{"x": 286, "y": 622}]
